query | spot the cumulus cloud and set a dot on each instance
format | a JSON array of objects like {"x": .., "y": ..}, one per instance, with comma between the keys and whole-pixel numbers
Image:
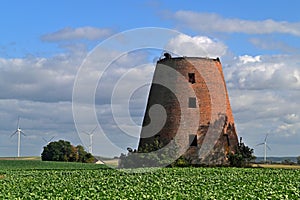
[
  {"x": 38, "y": 120},
  {"x": 258, "y": 112},
  {"x": 264, "y": 72},
  {"x": 269, "y": 44},
  {"x": 69, "y": 33},
  {"x": 210, "y": 22},
  {"x": 264, "y": 96},
  {"x": 37, "y": 79},
  {"x": 197, "y": 46},
  {"x": 249, "y": 59},
  {"x": 291, "y": 118},
  {"x": 40, "y": 91}
]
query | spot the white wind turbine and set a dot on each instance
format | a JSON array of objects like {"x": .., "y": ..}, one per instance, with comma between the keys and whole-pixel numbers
[
  {"x": 91, "y": 134},
  {"x": 19, "y": 132},
  {"x": 265, "y": 147}
]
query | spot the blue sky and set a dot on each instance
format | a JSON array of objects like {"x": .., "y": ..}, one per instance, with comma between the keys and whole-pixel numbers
[
  {"x": 43, "y": 44},
  {"x": 26, "y": 22}
]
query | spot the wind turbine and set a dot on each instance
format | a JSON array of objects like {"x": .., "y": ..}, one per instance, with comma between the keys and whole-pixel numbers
[
  {"x": 90, "y": 134},
  {"x": 19, "y": 132},
  {"x": 265, "y": 147},
  {"x": 48, "y": 141}
]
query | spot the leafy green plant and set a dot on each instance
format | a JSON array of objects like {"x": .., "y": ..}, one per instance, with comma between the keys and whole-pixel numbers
[{"x": 167, "y": 183}]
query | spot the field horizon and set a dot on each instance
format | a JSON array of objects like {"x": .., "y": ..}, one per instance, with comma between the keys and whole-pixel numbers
[{"x": 113, "y": 163}]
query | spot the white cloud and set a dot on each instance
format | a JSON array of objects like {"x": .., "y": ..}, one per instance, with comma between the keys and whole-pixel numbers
[
  {"x": 38, "y": 79},
  {"x": 258, "y": 112},
  {"x": 40, "y": 91},
  {"x": 264, "y": 97},
  {"x": 249, "y": 59},
  {"x": 264, "y": 72},
  {"x": 37, "y": 120},
  {"x": 210, "y": 22},
  {"x": 291, "y": 118},
  {"x": 68, "y": 33},
  {"x": 197, "y": 46},
  {"x": 271, "y": 44}
]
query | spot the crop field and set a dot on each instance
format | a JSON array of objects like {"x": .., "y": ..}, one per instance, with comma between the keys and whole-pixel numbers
[{"x": 52, "y": 180}]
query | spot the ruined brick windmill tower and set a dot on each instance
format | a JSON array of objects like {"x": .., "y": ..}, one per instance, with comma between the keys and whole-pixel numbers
[{"x": 188, "y": 104}]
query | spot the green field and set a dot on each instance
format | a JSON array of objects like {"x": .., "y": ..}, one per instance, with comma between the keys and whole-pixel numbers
[{"x": 34, "y": 179}]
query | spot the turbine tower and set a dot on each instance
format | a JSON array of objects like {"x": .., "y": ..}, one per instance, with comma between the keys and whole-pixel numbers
[
  {"x": 265, "y": 147},
  {"x": 19, "y": 132},
  {"x": 90, "y": 134}
]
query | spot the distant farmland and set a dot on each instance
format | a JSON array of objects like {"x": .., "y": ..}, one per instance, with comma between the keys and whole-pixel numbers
[
  {"x": 277, "y": 159},
  {"x": 21, "y": 158}
]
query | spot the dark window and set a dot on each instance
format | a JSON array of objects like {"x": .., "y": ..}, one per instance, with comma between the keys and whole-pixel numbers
[
  {"x": 227, "y": 138},
  {"x": 192, "y": 78},
  {"x": 193, "y": 140},
  {"x": 192, "y": 102}
]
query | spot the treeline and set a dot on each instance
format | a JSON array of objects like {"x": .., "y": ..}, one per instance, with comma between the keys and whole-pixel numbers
[{"x": 64, "y": 151}]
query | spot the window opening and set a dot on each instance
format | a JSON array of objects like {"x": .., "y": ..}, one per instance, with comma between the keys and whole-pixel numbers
[
  {"x": 192, "y": 78},
  {"x": 227, "y": 138},
  {"x": 193, "y": 140},
  {"x": 192, "y": 102}
]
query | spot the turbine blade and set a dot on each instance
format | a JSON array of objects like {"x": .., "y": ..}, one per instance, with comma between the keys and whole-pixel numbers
[
  {"x": 266, "y": 137},
  {"x": 45, "y": 140},
  {"x": 14, "y": 133},
  {"x": 259, "y": 144},
  {"x": 18, "y": 122},
  {"x": 85, "y": 132},
  {"x": 51, "y": 138},
  {"x": 23, "y": 133},
  {"x": 94, "y": 129},
  {"x": 269, "y": 147}
]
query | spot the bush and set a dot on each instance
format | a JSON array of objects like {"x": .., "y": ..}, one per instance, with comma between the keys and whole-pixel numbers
[
  {"x": 287, "y": 162},
  {"x": 148, "y": 157},
  {"x": 63, "y": 151},
  {"x": 242, "y": 157}
]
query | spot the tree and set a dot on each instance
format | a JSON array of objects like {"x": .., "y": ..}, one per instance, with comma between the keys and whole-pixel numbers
[
  {"x": 83, "y": 156},
  {"x": 63, "y": 151},
  {"x": 298, "y": 160},
  {"x": 242, "y": 156},
  {"x": 287, "y": 162}
]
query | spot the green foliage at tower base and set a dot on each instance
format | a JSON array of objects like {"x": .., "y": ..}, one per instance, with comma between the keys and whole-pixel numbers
[{"x": 242, "y": 157}]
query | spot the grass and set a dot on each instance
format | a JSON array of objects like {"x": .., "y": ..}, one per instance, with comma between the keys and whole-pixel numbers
[{"x": 45, "y": 165}]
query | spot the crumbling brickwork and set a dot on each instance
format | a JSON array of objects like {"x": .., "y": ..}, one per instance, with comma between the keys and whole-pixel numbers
[{"x": 198, "y": 112}]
